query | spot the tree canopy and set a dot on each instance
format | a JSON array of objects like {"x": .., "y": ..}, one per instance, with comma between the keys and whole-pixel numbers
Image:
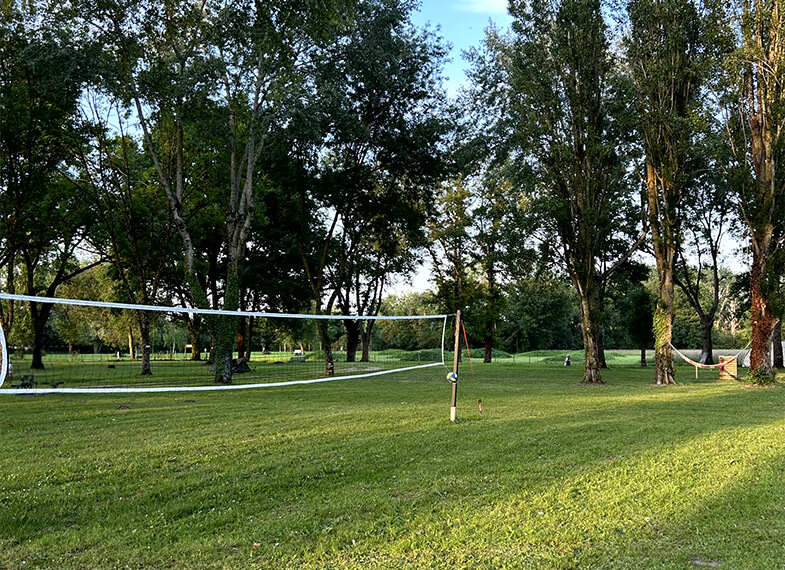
[{"x": 305, "y": 157}]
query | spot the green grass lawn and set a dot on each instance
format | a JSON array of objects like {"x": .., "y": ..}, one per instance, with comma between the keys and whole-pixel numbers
[{"x": 371, "y": 474}]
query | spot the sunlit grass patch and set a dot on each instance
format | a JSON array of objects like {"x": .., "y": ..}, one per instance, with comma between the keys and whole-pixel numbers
[{"x": 370, "y": 473}]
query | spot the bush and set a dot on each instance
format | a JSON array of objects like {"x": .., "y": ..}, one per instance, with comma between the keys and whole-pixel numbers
[
  {"x": 479, "y": 353},
  {"x": 760, "y": 377}
]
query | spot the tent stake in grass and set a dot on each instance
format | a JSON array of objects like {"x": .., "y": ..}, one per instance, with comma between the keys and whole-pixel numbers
[{"x": 453, "y": 376}]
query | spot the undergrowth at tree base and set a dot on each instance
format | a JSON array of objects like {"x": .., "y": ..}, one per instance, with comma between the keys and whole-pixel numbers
[{"x": 761, "y": 377}]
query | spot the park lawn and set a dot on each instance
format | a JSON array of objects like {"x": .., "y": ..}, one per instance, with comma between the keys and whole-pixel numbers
[{"x": 370, "y": 473}]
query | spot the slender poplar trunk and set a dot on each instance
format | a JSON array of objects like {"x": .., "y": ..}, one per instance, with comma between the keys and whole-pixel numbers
[
  {"x": 324, "y": 338},
  {"x": 366, "y": 341},
  {"x": 352, "y": 339},
  {"x": 241, "y": 334},
  {"x": 590, "y": 331},
  {"x": 249, "y": 338},
  {"x": 663, "y": 197},
  {"x": 776, "y": 345},
  {"x": 763, "y": 321},
  {"x": 601, "y": 349},
  {"x": 131, "y": 344},
  {"x": 707, "y": 344},
  {"x": 488, "y": 341},
  {"x": 194, "y": 327},
  {"x": 663, "y": 333},
  {"x": 143, "y": 319}
]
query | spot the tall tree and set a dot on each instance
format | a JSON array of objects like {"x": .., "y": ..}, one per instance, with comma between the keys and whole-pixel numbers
[
  {"x": 756, "y": 126},
  {"x": 240, "y": 60},
  {"x": 449, "y": 247},
  {"x": 135, "y": 224},
  {"x": 697, "y": 268},
  {"x": 372, "y": 161},
  {"x": 43, "y": 219},
  {"x": 561, "y": 78},
  {"x": 662, "y": 51},
  {"x": 500, "y": 231}
]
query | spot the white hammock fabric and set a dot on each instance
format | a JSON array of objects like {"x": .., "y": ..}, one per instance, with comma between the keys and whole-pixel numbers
[{"x": 708, "y": 366}]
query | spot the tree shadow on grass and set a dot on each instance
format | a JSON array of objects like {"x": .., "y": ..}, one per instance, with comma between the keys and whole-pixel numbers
[{"x": 606, "y": 478}]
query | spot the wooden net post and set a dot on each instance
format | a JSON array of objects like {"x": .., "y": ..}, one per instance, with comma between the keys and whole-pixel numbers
[{"x": 456, "y": 356}]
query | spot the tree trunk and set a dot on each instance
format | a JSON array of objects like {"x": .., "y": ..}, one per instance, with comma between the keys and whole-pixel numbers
[
  {"x": 663, "y": 354},
  {"x": 643, "y": 357},
  {"x": 131, "y": 344},
  {"x": 249, "y": 338},
  {"x": 765, "y": 93},
  {"x": 776, "y": 345},
  {"x": 707, "y": 345},
  {"x": 590, "y": 330},
  {"x": 663, "y": 198},
  {"x": 224, "y": 329},
  {"x": 763, "y": 320},
  {"x": 39, "y": 315},
  {"x": 324, "y": 338},
  {"x": 366, "y": 341},
  {"x": 194, "y": 327},
  {"x": 488, "y": 341},
  {"x": 601, "y": 349},
  {"x": 211, "y": 353},
  {"x": 143, "y": 318},
  {"x": 352, "y": 338},
  {"x": 241, "y": 333}
]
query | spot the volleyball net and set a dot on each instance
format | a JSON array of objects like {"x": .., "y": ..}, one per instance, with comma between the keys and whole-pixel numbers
[{"x": 101, "y": 347}]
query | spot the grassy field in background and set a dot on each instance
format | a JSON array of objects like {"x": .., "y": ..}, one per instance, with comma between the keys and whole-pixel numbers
[
  {"x": 371, "y": 474},
  {"x": 105, "y": 370}
]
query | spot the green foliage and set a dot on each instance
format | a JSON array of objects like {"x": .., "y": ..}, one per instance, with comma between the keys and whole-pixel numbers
[
  {"x": 408, "y": 334},
  {"x": 541, "y": 313},
  {"x": 660, "y": 325},
  {"x": 761, "y": 377}
]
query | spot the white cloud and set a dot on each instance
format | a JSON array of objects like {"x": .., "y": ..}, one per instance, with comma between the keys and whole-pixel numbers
[{"x": 483, "y": 6}]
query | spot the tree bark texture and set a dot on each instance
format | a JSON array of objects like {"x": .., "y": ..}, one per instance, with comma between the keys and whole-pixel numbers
[
  {"x": 39, "y": 315},
  {"x": 488, "y": 355},
  {"x": 763, "y": 320},
  {"x": 324, "y": 338},
  {"x": 366, "y": 341},
  {"x": 590, "y": 330},
  {"x": 352, "y": 338},
  {"x": 762, "y": 35},
  {"x": 224, "y": 329},
  {"x": 143, "y": 320},
  {"x": 663, "y": 195},
  {"x": 707, "y": 344},
  {"x": 776, "y": 345},
  {"x": 194, "y": 326}
]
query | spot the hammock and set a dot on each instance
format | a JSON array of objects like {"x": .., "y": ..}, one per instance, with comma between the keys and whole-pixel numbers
[{"x": 705, "y": 366}]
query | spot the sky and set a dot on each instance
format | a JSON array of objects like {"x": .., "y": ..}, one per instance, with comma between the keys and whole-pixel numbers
[{"x": 462, "y": 24}]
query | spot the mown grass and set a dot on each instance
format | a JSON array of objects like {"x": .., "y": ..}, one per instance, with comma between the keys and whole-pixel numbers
[{"x": 371, "y": 474}]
